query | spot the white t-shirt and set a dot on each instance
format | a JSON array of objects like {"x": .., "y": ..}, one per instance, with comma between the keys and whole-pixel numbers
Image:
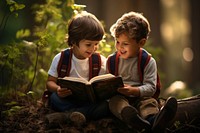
[{"x": 79, "y": 68}]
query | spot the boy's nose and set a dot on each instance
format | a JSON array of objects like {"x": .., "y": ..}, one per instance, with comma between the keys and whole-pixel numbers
[
  {"x": 121, "y": 46},
  {"x": 95, "y": 47},
  {"x": 92, "y": 49}
]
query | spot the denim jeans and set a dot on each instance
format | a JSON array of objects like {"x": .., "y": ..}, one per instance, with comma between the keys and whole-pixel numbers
[{"x": 92, "y": 111}]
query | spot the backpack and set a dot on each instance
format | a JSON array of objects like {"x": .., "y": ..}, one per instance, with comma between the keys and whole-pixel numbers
[
  {"x": 64, "y": 67},
  {"x": 143, "y": 60}
]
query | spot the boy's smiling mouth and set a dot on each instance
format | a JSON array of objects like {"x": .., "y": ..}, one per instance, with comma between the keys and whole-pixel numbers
[
  {"x": 123, "y": 52},
  {"x": 89, "y": 53}
]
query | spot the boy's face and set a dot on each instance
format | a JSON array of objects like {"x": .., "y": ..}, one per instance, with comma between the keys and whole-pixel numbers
[
  {"x": 126, "y": 46},
  {"x": 85, "y": 49}
]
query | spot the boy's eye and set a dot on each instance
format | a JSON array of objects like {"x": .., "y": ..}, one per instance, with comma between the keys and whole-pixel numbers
[
  {"x": 88, "y": 45},
  {"x": 125, "y": 43}
]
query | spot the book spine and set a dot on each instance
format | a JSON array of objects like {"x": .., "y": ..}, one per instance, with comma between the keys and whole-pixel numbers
[{"x": 89, "y": 90}]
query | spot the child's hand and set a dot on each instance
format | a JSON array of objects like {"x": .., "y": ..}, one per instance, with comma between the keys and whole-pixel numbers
[
  {"x": 129, "y": 90},
  {"x": 63, "y": 92}
]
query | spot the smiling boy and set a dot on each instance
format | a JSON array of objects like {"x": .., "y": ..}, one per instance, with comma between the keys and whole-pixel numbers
[
  {"x": 84, "y": 34},
  {"x": 137, "y": 105}
]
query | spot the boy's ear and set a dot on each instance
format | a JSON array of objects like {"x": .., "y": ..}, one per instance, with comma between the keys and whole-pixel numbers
[{"x": 142, "y": 42}]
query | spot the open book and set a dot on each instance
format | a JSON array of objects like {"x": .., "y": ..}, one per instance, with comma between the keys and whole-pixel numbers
[{"x": 99, "y": 88}]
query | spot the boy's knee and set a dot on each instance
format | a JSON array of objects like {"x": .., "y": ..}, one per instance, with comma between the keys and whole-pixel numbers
[
  {"x": 118, "y": 101},
  {"x": 116, "y": 104},
  {"x": 148, "y": 107},
  {"x": 53, "y": 98}
]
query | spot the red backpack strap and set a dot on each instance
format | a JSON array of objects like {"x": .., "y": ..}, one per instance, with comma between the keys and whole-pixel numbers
[
  {"x": 63, "y": 69},
  {"x": 143, "y": 60},
  {"x": 158, "y": 87},
  {"x": 64, "y": 64},
  {"x": 113, "y": 63},
  {"x": 94, "y": 65}
]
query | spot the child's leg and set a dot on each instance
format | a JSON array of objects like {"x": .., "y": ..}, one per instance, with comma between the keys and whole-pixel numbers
[
  {"x": 99, "y": 110},
  {"x": 165, "y": 115},
  {"x": 116, "y": 105},
  {"x": 60, "y": 104},
  {"x": 159, "y": 119},
  {"x": 121, "y": 108},
  {"x": 64, "y": 106},
  {"x": 95, "y": 111},
  {"x": 90, "y": 111},
  {"x": 148, "y": 107},
  {"x": 131, "y": 117}
]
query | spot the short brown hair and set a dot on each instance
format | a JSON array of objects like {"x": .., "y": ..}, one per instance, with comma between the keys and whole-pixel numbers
[
  {"x": 84, "y": 25},
  {"x": 134, "y": 24}
]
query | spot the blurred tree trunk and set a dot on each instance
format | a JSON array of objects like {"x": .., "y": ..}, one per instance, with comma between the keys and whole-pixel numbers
[{"x": 194, "y": 80}]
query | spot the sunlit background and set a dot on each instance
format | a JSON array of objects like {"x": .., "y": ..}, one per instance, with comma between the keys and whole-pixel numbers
[{"x": 175, "y": 28}]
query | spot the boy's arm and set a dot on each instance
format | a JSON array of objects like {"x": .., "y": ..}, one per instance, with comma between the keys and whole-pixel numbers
[
  {"x": 51, "y": 84},
  {"x": 129, "y": 90},
  {"x": 150, "y": 79},
  {"x": 53, "y": 87}
]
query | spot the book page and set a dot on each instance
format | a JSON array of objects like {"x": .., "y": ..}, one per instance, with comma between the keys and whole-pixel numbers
[
  {"x": 82, "y": 80},
  {"x": 101, "y": 77}
]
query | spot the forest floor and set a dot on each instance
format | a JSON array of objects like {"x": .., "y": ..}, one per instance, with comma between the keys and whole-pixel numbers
[
  {"x": 27, "y": 117},
  {"x": 24, "y": 116}
]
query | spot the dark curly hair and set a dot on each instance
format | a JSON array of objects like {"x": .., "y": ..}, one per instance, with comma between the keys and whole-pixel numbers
[{"x": 134, "y": 24}]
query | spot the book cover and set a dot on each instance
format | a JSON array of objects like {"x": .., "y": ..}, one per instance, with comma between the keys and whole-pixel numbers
[{"x": 97, "y": 89}]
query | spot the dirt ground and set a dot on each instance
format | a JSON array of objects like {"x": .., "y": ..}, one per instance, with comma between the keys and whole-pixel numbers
[{"x": 31, "y": 119}]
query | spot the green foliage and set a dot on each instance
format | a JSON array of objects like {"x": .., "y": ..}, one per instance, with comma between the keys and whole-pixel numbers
[
  {"x": 14, "y": 6},
  {"x": 50, "y": 30},
  {"x": 20, "y": 98},
  {"x": 177, "y": 124},
  {"x": 24, "y": 64},
  {"x": 11, "y": 111},
  {"x": 23, "y": 33},
  {"x": 105, "y": 48},
  {"x": 11, "y": 67}
]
